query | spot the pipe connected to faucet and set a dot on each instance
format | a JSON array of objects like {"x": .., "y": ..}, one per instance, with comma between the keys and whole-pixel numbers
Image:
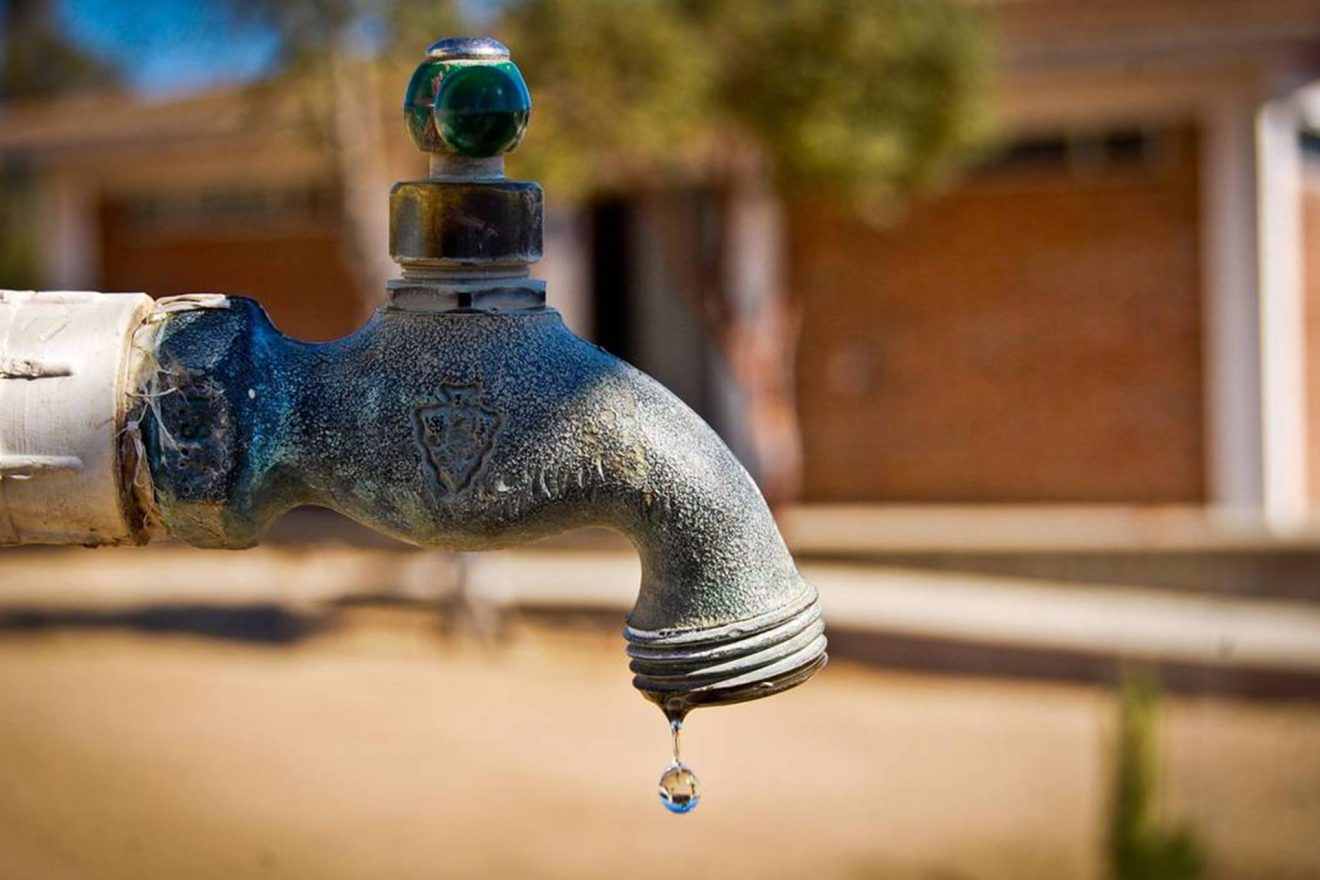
[{"x": 463, "y": 415}]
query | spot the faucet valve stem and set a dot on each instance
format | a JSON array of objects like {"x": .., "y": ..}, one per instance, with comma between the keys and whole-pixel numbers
[{"x": 466, "y": 235}]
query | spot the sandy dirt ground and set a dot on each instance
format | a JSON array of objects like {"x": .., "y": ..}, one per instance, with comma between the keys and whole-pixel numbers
[{"x": 384, "y": 750}]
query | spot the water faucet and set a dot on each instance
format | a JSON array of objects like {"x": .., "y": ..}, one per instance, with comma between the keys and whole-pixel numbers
[{"x": 464, "y": 415}]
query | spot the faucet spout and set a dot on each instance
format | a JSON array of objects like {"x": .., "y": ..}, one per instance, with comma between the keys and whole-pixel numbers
[{"x": 476, "y": 430}]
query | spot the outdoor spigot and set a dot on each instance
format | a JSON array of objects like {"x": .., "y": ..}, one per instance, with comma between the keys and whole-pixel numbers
[{"x": 464, "y": 415}]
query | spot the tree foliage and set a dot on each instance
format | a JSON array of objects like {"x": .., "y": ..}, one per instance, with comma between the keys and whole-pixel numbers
[
  {"x": 36, "y": 60},
  {"x": 861, "y": 99},
  {"x": 858, "y": 98},
  {"x": 620, "y": 91}
]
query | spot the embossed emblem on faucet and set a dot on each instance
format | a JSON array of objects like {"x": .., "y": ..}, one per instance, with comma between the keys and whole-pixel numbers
[{"x": 455, "y": 433}]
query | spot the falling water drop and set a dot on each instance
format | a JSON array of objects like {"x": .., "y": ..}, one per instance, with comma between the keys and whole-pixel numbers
[{"x": 680, "y": 791}]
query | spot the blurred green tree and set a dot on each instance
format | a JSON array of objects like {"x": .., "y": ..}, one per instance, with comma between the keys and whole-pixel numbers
[
  {"x": 37, "y": 61},
  {"x": 862, "y": 100},
  {"x": 338, "y": 58},
  {"x": 622, "y": 92}
]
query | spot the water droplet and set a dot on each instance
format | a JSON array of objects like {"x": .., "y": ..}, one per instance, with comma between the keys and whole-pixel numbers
[{"x": 680, "y": 790}]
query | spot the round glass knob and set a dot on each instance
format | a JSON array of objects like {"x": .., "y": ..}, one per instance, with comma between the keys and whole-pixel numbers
[
  {"x": 467, "y": 98},
  {"x": 481, "y": 110}
]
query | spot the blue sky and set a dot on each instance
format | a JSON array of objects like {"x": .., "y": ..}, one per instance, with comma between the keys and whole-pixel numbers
[
  {"x": 166, "y": 48},
  {"x": 169, "y": 47}
]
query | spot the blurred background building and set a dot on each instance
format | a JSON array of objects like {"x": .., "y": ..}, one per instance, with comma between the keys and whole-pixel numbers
[
  {"x": 1118, "y": 305},
  {"x": 1054, "y": 410}
]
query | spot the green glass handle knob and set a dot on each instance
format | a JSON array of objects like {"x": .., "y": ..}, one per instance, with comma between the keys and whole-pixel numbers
[{"x": 467, "y": 98}]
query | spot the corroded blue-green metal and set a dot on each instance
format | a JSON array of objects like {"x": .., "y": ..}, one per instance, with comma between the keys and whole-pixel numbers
[{"x": 472, "y": 431}]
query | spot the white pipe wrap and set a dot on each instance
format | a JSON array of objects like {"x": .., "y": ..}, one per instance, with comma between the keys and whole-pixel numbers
[{"x": 65, "y": 361}]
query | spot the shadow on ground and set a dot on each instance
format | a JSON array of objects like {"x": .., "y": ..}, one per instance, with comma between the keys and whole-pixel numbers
[{"x": 260, "y": 624}]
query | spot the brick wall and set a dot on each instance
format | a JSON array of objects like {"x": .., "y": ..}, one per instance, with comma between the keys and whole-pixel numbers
[
  {"x": 1033, "y": 336},
  {"x": 282, "y": 248}
]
